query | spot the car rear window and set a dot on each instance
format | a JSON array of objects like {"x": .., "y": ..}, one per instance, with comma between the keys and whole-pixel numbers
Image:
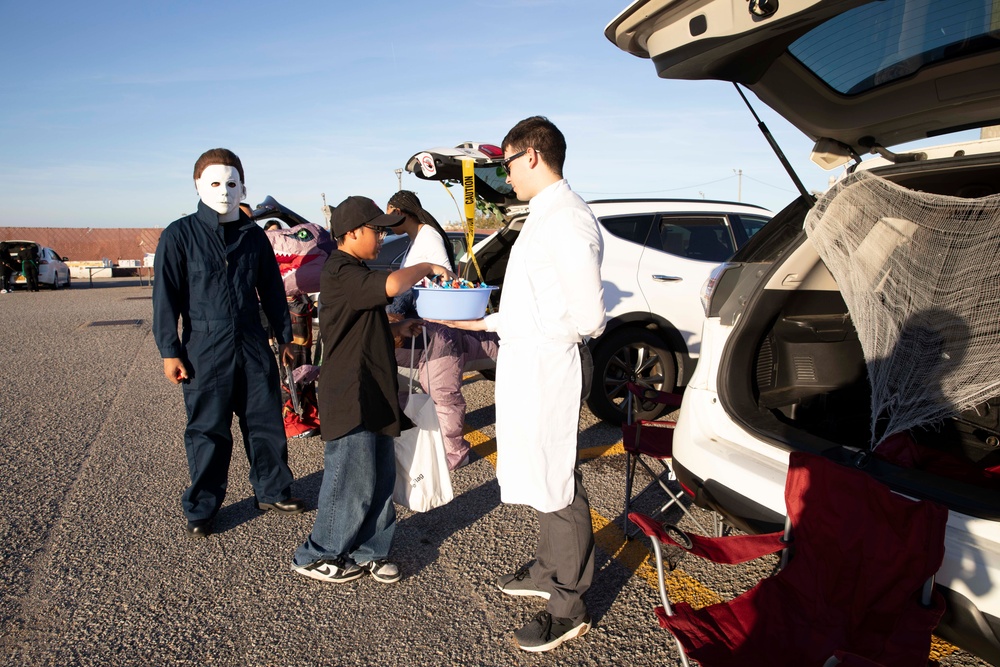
[
  {"x": 703, "y": 238},
  {"x": 634, "y": 228},
  {"x": 880, "y": 42},
  {"x": 745, "y": 226}
]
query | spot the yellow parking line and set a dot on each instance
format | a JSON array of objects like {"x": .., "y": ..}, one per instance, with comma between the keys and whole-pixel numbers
[
  {"x": 589, "y": 453},
  {"x": 483, "y": 445}
]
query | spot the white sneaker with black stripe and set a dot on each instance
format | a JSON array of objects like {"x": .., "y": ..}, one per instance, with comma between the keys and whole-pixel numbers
[
  {"x": 334, "y": 571},
  {"x": 383, "y": 571}
]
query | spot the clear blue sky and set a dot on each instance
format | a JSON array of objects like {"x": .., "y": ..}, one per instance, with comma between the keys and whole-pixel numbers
[{"x": 106, "y": 105}]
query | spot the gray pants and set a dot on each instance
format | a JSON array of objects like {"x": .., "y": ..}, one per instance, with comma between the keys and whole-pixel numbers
[{"x": 564, "y": 559}]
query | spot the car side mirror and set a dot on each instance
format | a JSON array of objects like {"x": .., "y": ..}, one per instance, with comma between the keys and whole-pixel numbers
[{"x": 65, "y": 259}]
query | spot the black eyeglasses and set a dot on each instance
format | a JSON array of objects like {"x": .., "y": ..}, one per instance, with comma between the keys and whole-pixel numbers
[
  {"x": 379, "y": 231},
  {"x": 505, "y": 163}
]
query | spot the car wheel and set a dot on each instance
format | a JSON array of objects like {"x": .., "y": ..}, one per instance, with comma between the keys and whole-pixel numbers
[
  {"x": 69, "y": 280},
  {"x": 55, "y": 281},
  {"x": 630, "y": 355}
]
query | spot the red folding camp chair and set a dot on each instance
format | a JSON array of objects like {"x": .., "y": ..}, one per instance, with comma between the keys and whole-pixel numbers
[
  {"x": 653, "y": 440},
  {"x": 856, "y": 584}
]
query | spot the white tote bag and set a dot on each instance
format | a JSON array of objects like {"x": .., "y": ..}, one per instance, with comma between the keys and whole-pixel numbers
[{"x": 422, "y": 478}]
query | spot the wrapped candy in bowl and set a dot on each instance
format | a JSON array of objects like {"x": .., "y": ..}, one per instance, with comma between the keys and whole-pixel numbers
[{"x": 457, "y": 299}]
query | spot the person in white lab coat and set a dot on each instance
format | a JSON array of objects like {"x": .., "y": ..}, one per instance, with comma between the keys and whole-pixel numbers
[{"x": 552, "y": 301}]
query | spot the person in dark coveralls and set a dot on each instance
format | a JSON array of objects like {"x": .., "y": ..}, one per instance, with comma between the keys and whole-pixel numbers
[
  {"x": 211, "y": 267},
  {"x": 358, "y": 403}
]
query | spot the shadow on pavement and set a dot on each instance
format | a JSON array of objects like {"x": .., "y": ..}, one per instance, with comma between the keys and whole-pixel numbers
[{"x": 420, "y": 535}]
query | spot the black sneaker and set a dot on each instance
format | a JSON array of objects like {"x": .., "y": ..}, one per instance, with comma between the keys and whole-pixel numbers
[
  {"x": 545, "y": 632},
  {"x": 520, "y": 583},
  {"x": 334, "y": 571},
  {"x": 382, "y": 571}
]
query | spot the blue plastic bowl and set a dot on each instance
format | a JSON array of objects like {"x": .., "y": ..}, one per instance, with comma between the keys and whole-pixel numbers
[{"x": 441, "y": 303}]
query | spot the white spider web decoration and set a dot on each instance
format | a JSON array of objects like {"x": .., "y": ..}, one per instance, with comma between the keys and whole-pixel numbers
[{"x": 921, "y": 278}]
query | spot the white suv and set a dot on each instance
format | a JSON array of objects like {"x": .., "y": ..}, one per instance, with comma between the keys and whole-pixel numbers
[
  {"x": 658, "y": 254},
  {"x": 783, "y": 366}
]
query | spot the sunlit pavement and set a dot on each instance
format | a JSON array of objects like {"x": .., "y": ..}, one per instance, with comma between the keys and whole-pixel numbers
[{"x": 96, "y": 569}]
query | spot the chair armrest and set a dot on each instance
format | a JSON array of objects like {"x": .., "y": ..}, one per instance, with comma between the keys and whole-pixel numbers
[
  {"x": 729, "y": 550},
  {"x": 662, "y": 397},
  {"x": 655, "y": 424}
]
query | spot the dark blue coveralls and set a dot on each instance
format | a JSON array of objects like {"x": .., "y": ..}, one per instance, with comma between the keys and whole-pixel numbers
[{"x": 210, "y": 276}]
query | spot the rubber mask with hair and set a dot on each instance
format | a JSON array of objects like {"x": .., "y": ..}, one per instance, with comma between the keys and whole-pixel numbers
[{"x": 221, "y": 189}]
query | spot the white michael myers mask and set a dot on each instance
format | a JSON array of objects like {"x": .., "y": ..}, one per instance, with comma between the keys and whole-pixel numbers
[{"x": 219, "y": 186}]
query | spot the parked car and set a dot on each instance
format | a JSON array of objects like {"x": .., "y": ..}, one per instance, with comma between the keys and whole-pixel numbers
[
  {"x": 52, "y": 268},
  {"x": 657, "y": 255},
  {"x": 782, "y": 366},
  {"x": 394, "y": 247}
]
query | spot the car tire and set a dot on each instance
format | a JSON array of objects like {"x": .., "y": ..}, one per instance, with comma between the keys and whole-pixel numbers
[
  {"x": 630, "y": 354},
  {"x": 69, "y": 280},
  {"x": 55, "y": 281}
]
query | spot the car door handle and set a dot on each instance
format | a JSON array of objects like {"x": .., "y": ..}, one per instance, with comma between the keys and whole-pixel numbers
[{"x": 666, "y": 279}]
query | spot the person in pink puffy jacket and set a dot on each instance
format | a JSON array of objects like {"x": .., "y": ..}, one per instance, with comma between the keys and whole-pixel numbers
[{"x": 440, "y": 368}]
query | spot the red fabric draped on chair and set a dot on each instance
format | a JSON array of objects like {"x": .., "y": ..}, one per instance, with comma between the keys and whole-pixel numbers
[{"x": 860, "y": 557}]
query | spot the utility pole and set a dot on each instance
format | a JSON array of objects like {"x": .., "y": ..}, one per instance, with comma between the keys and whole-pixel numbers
[
  {"x": 399, "y": 176},
  {"x": 326, "y": 210},
  {"x": 739, "y": 184}
]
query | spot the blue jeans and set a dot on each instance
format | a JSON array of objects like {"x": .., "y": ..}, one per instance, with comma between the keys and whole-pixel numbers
[{"x": 356, "y": 518}]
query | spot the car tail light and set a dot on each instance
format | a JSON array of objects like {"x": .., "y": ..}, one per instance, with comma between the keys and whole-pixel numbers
[
  {"x": 491, "y": 150},
  {"x": 719, "y": 287},
  {"x": 708, "y": 289},
  {"x": 43, "y": 261}
]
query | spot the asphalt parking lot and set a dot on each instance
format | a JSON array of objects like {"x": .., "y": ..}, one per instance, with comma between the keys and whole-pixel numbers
[{"x": 96, "y": 569}]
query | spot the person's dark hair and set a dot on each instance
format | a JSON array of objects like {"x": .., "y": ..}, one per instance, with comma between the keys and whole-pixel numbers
[
  {"x": 272, "y": 224},
  {"x": 222, "y": 156},
  {"x": 407, "y": 202},
  {"x": 540, "y": 133}
]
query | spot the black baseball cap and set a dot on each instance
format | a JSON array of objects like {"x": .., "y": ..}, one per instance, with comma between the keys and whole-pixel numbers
[{"x": 355, "y": 212}]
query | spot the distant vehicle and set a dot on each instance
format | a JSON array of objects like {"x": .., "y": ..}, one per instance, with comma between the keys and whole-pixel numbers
[
  {"x": 658, "y": 253},
  {"x": 52, "y": 269}
]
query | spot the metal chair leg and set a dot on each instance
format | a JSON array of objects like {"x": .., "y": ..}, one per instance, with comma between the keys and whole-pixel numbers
[
  {"x": 629, "y": 473},
  {"x": 664, "y": 600},
  {"x": 674, "y": 498}
]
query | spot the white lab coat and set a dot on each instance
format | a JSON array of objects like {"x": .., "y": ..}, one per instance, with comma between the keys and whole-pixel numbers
[{"x": 552, "y": 299}]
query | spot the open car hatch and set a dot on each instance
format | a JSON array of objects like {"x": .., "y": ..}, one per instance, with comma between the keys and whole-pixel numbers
[{"x": 851, "y": 74}]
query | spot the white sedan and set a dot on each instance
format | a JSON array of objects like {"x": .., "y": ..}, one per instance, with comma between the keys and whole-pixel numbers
[{"x": 52, "y": 269}]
